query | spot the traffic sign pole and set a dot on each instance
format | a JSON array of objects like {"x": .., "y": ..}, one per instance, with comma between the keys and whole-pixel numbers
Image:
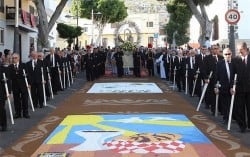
[{"x": 232, "y": 40}]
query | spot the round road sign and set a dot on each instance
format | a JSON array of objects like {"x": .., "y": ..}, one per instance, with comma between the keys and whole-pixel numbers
[{"x": 232, "y": 16}]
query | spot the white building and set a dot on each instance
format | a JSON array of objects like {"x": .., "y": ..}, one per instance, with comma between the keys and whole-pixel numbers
[
  {"x": 144, "y": 16},
  {"x": 219, "y": 8},
  {"x": 26, "y": 24}
]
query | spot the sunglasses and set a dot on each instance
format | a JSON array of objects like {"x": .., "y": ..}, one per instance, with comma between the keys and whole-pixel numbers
[{"x": 227, "y": 54}]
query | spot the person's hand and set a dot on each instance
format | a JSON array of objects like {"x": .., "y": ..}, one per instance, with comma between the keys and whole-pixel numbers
[
  {"x": 195, "y": 76},
  {"x": 216, "y": 91},
  {"x": 206, "y": 80},
  {"x": 232, "y": 91}
]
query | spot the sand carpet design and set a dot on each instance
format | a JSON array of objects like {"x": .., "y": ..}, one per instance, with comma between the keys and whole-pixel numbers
[
  {"x": 120, "y": 135},
  {"x": 162, "y": 104},
  {"x": 125, "y": 87}
]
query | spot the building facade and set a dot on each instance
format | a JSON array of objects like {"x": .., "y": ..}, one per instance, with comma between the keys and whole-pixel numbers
[
  {"x": 146, "y": 20},
  {"x": 27, "y": 26}
]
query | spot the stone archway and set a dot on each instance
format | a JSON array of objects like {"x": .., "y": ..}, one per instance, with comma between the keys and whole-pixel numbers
[{"x": 133, "y": 28}]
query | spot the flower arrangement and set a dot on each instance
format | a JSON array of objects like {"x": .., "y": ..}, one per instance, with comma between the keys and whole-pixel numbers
[{"x": 128, "y": 46}]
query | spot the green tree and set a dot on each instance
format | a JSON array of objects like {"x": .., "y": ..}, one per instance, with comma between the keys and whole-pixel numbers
[
  {"x": 68, "y": 32},
  {"x": 46, "y": 24},
  {"x": 178, "y": 24},
  {"x": 111, "y": 11}
]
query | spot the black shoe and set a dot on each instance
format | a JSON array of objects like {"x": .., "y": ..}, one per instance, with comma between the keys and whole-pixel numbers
[
  {"x": 17, "y": 116},
  {"x": 4, "y": 128},
  {"x": 242, "y": 129},
  {"x": 55, "y": 93},
  {"x": 41, "y": 106},
  {"x": 26, "y": 116},
  {"x": 225, "y": 121}
]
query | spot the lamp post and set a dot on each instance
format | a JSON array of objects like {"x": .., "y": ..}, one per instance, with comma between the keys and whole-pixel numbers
[
  {"x": 92, "y": 19},
  {"x": 92, "y": 31},
  {"x": 77, "y": 16},
  {"x": 16, "y": 30}
]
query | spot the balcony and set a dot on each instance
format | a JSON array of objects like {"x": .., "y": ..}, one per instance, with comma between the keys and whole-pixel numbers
[{"x": 27, "y": 21}]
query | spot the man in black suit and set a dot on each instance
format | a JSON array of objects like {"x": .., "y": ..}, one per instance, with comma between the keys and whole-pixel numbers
[
  {"x": 174, "y": 54},
  {"x": 96, "y": 63},
  {"x": 53, "y": 60},
  {"x": 241, "y": 67},
  {"x": 224, "y": 77},
  {"x": 150, "y": 62},
  {"x": 45, "y": 65},
  {"x": 3, "y": 118},
  {"x": 210, "y": 62},
  {"x": 199, "y": 65},
  {"x": 119, "y": 62},
  {"x": 191, "y": 62},
  {"x": 35, "y": 79},
  {"x": 88, "y": 61},
  {"x": 102, "y": 54},
  {"x": 137, "y": 62},
  {"x": 143, "y": 56},
  {"x": 167, "y": 59},
  {"x": 184, "y": 66},
  {"x": 177, "y": 63},
  {"x": 19, "y": 88}
]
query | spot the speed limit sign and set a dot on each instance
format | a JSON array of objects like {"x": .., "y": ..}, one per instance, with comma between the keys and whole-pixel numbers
[{"x": 232, "y": 16}]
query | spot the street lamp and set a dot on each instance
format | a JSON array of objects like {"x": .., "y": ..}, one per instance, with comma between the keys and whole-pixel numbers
[
  {"x": 77, "y": 15},
  {"x": 92, "y": 18},
  {"x": 16, "y": 30}
]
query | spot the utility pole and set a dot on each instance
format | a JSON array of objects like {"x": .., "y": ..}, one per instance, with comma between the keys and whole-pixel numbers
[
  {"x": 16, "y": 30},
  {"x": 92, "y": 18},
  {"x": 77, "y": 16}
]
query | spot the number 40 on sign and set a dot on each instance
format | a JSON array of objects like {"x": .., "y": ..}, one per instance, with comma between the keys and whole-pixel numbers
[{"x": 232, "y": 16}]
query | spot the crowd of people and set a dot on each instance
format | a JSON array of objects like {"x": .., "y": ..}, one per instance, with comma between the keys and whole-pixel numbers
[
  {"x": 36, "y": 81},
  {"x": 190, "y": 70}
]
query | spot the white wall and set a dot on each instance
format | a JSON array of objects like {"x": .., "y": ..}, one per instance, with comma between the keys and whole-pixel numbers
[
  {"x": 2, "y": 25},
  {"x": 25, "y": 42},
  {"x": 244, "y": 31},
  {"x": 219, "y": 8}
]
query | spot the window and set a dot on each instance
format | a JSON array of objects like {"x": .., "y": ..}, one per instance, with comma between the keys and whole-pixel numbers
[
  {"x": 32, "y": 44},
  {"x": 2, "y": 6},
  {"x": 32, "y": 10},
  {"x": 114, "y": 25},
  {"x": 85, "y": 29},
  {"x": 150, "y": 40},
  {"x": 150, "y": 24},
  {"x": 104, "y": 42},
  {"x": 132, "y": 24},
  {"x": 1, "y": 35}
]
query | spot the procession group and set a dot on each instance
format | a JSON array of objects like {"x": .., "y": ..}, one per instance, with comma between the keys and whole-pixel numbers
[
  {"x": 208, "y": 74},
  {"x": 36, "y": 81},
  {"x": 215, "y": 77},
  {"x": 218, "y": 79}
]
